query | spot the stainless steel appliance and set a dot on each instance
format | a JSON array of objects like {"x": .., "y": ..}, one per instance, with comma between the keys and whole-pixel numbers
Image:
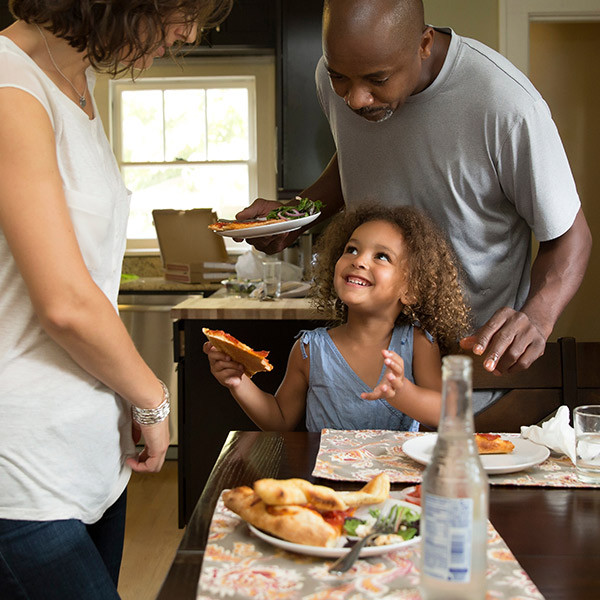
[{"x": 148, "y": 321}]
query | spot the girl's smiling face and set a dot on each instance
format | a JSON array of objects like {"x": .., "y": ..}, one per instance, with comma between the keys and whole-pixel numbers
[{"x": 371, "y": 272}]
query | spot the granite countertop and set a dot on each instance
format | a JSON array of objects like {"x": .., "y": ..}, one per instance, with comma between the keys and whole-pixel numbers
[{"x": 160, "y": 284}]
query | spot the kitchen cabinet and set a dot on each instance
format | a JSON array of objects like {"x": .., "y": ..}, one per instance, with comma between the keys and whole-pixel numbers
[
  {"x": 207, "y": 411},
  {"x": 305, "y": 144},
  {"x": 251, "y": 25}
]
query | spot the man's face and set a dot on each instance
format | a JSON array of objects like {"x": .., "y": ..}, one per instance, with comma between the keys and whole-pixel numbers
[{"x": 374, "y": 77}]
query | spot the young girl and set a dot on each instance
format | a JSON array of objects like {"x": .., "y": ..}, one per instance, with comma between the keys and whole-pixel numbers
[{"x": 390, "y": 279}]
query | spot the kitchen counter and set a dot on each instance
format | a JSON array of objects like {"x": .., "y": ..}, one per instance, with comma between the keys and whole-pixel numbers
[{"x": 231, "y": 308}]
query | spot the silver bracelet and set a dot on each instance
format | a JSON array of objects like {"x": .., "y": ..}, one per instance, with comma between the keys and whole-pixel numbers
[{"x": 151, "y": 416}]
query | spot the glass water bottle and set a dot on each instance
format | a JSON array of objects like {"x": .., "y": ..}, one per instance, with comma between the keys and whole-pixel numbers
[{"x": 454, "y": 493}]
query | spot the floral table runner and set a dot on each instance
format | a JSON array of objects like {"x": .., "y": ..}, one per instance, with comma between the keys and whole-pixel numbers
[
  {"x": 238, "y": 565},
  {"x": 360, "y": 455}
]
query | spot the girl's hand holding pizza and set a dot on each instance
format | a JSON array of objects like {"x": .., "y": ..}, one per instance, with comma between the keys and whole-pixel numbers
[
  {"x": 226, "y": 371},
  {"x": 392, "y": 381}
]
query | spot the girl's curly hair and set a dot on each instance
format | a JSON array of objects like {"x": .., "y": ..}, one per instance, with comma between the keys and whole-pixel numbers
[
  {"x": 107, "y": 30},
  {"x": 432, "y": 270}
]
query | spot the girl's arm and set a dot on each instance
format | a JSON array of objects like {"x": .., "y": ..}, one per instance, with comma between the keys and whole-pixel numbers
[
  {"x": 279, "y": 412},
  {"x": 75, "y": 313},
  {"x": 421, "y": 400}
]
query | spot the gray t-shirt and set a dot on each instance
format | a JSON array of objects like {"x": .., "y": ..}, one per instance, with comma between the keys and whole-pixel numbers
[{"x": 478, "y": 151}]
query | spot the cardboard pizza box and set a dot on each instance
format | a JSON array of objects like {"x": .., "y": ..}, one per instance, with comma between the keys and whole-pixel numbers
[{"x": 189, "y": 250}]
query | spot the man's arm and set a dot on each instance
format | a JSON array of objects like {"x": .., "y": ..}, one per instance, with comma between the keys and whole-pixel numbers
[
  {"x": 327, "y": 189},
  {"x": 512, "y": 340}
]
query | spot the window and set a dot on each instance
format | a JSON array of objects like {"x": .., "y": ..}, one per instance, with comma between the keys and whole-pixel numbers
[{"x": 185, "y": 143}]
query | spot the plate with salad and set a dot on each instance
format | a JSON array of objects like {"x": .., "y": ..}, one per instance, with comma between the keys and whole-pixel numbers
[
  {"x": 405, "y": 515},
  {"x": 280, "y": 220}
]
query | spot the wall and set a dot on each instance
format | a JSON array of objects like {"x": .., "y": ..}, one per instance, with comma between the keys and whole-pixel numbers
[
  {"x": 472, "y": 18},
  {"x": 562, "y": 69}
]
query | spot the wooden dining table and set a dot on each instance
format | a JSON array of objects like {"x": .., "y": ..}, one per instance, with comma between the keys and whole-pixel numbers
[{"x": 554, "y": 533}]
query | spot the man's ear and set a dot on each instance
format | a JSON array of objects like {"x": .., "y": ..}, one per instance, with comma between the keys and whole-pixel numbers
[{"x": 426, "y": 45}]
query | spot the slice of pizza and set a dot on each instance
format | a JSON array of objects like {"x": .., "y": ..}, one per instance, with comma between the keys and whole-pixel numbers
[
  {"x": 493, "y": 443},
  {"x": 252, "y": 360},
  {"x": 232, "y": 225}
]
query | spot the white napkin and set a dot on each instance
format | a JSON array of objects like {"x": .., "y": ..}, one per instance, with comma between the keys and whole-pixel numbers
[{"x": 556, "y": 433}]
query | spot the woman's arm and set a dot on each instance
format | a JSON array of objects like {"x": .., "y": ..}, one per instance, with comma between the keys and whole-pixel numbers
[
  {"x": 421, "y": 400},
  {"x": 279, "y": 412},
  {"x": 35, "y": 220}
]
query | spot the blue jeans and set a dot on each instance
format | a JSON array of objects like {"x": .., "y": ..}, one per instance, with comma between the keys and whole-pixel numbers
[{"x": 62, "y": 560}]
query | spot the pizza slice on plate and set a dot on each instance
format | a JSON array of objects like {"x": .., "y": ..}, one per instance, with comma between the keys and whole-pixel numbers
[
  {"x": 233, "y": 225},
  {"x": 493, "y": 443}
]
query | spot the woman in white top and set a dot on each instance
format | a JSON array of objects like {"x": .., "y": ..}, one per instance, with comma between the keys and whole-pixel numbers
[{"x": 70, "y": 377}]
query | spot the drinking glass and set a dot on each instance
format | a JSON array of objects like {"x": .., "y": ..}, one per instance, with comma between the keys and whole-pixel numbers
[
  {"x": 586, "y": 421},
  {"x": 271, "y": 279}
]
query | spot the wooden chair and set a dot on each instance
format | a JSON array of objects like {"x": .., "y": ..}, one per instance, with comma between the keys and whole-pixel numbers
[
  {"x": 588, "y": 372},
  {"x": 535, "y": 394}
]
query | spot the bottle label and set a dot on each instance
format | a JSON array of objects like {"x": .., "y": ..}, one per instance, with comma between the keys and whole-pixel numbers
[{"x": 447, "y": 538}]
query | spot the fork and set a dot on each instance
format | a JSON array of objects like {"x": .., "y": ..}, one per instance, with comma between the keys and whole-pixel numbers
[{"x": 345, "y": 562}]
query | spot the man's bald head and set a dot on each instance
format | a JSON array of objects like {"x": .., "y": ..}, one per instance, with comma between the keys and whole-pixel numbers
[{"x": 399, "y": 23}]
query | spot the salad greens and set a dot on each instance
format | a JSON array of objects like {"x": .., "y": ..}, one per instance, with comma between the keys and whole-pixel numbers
[
  {"x": 401, "y": 520},
  {"x": 304, "y": 208}
]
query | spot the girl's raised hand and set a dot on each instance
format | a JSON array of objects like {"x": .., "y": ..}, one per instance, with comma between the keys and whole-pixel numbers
[
  {"x": 226, "y": 371},
  {"x": 392, "y": 380}
]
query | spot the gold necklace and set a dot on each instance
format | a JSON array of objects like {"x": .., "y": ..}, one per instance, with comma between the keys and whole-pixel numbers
[{"x": 82, "y": 100}]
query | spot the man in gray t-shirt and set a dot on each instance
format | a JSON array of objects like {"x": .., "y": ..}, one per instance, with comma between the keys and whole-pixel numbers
[{"x": 424, "y": 117}]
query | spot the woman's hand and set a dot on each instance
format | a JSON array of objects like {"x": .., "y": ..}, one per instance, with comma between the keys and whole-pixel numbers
[
  {"x": 156, "y": 443},
  {"x": 392, "y": 380},
  {"x": 226, "y": 371}
]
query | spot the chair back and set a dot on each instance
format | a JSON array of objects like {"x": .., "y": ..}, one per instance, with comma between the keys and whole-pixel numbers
[{"x": 534, "y": 394}]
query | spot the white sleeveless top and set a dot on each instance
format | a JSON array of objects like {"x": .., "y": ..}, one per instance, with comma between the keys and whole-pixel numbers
[{"x": 64, "y": 436}]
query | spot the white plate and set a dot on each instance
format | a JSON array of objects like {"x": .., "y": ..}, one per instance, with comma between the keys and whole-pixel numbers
[
  {"x": 270, "y": 229},
  {"x": 336, "y": 552},
  {"x": 526, "y": 454}
]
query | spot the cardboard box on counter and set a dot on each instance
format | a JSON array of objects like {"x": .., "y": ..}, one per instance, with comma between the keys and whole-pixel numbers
[{"x": 191, "y": 253}]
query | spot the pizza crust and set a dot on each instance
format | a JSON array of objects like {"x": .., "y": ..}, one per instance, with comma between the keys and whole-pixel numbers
[
  {"x": 253, "y": 361},
  {"x": 298, "y": 491},
  {"x": 376, "y": 491},
  {"x": 293, "y": 523}
]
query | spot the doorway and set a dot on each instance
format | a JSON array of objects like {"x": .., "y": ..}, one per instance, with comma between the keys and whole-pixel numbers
[{"x": 558, "y": 44}]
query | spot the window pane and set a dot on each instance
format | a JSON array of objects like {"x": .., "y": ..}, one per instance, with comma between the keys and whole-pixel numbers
[
  {"x": 221, "y": 187},
  {"x": 227, "y": 114},
  {"x": 185, "y": 130},
  {"x": 142, "y": 129}
]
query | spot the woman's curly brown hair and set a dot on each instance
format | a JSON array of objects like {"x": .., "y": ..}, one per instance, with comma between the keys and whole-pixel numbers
[
  {"x": 106, "y": 30},
  {"x": 432, "y": 269}
]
